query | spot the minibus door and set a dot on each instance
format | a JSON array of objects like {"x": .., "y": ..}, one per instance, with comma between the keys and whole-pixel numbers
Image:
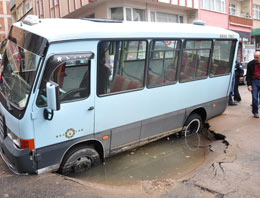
[{"x": 75, "y": 118}]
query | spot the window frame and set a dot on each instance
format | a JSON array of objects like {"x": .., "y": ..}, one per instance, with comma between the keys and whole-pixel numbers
[
  {"x": 145, "y": 66},
  {"x": 125, "y": 15},
  {"x": 210, "y": 66},
  {"x": 256, "y": 11},
  {"x": 194, "y": 78},
  {"x": 232, "y": 9},
  {"x": 51, "y": 3},
  {"x": 20, "y": 11},
  {"x": 179, "y": 20},
  {"x": 150, "y": 57},
  {"x": 28, "y": 5},
  {"x": 41, "y": 7},
  {"x": 53, "y": 63},
  {"x": 213, "y": 5}
]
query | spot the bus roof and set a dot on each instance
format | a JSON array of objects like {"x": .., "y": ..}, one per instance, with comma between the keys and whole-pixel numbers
[{"x": 71, "y": 29}]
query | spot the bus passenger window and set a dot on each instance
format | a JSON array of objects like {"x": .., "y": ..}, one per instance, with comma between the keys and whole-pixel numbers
[
  {"x": 163, "y": 62},
  {"x": 73, "y": 78},
  {"x": 121, "y": 66},
  {"x": 222, "y": 57},
  {"x": 195, "y": 60}
]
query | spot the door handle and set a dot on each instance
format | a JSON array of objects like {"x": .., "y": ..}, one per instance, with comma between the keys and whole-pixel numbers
[{"x": 91, "y": 108}]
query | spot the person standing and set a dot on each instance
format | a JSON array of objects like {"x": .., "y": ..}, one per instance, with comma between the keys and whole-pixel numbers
[
  {"x": 253, "y": 81},
  {"x": 231, "y": 102},
  {"x": 239, "y": 72}
]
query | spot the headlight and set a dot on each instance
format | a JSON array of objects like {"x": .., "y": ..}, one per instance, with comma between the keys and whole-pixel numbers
[
  {"x": 20, "y": 143},
  {"x": 13, "y": 137}
]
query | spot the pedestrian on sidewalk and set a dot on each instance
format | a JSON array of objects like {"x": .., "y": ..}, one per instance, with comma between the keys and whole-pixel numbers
[
  {"x": 231, "y": 102},
  {"x": 239, "y": 73},
  {"x": 253, "y": 81}
]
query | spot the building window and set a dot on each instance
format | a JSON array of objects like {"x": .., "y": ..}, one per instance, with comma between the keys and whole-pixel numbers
[
  {"x": 232, "y": 9},
  {"x": 56, "y": 2},
  {"x": 256, "y": 11},
  {"x": 41, "y": 7},
  {"x": 117, "y": 13},
  {"x": 20, "y": 12},
  {"x": 51, "y": 3},
  {"x": 127, "y": 14},
  {"x": 165, "y": 17},
  {"x": 37, "y": 8},
  {"x": 27, "y": 5},
  {"x": 213, "y": 5}
]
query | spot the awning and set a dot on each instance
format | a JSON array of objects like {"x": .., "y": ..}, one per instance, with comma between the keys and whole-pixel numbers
[{"x": 255, "y": 32}]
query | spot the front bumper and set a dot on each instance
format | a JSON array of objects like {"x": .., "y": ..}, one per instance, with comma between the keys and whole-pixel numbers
[{"x": 19, "y": 161}]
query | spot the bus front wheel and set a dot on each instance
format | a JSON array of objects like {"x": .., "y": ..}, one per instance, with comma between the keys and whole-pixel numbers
[
  {"x": 192, "y": 125},
  {"x": 79, "y": 160}
]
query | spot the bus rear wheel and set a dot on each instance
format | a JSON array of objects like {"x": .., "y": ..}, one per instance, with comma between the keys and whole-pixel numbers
[
  {"x": 192, "y": 125},
  {"x": 79, "y": 160}
]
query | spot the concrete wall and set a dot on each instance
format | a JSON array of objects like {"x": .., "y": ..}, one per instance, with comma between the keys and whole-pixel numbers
[
  {"x": 246, "y": 8},
  {"x": 215, "y": 18},
  {"x": 256, "y": 24}
]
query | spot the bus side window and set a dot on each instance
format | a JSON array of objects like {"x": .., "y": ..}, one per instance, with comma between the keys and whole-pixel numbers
[
  {"x": 73, "y": 78},
  {"x": 195, "y": 60},
  {"x": 163, "y": 61},
  {"x": 121, "y": 66},
  {"x": 222, "y": 58}
]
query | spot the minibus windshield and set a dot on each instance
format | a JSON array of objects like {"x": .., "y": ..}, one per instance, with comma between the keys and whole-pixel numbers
[{"x": 19, "y": 71}]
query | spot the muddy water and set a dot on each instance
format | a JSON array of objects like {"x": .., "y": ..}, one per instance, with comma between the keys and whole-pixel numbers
[{"x": 171, "y": 157}]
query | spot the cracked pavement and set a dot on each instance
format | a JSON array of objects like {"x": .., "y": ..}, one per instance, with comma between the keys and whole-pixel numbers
[{"x": 231, "y": 169}]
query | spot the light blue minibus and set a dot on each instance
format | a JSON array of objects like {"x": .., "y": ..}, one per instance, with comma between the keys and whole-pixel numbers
[{"x": 76, "y": 91}]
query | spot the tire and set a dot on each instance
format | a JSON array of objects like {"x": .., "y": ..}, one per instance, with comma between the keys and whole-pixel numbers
[
  {"x": 78, "y": 160},
  {"x": 192, "y": 125}
]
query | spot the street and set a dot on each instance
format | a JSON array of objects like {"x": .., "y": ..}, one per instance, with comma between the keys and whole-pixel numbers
[{"x": 230, "y": 170}]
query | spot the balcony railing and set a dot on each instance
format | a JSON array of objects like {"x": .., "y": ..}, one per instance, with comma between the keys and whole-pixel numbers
[{"x": 241, "y": 20}]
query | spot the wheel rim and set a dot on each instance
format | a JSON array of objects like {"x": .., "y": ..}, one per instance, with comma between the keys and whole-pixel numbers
[
  {"x": 193, "y": 127},
  {"x": 81, "y": 164}
]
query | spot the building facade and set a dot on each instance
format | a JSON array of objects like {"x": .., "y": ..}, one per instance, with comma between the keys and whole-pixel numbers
[
  {"x": 256, "y": 24},
  {"x": 5, "y": 19},
  {"x": 241, "y": 21},
  {"x": 241, "y": 16},
  {"x": 135, "y": 10}
]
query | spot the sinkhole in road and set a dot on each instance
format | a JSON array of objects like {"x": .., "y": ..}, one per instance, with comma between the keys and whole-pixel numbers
[{"x": 170, "y": 157}]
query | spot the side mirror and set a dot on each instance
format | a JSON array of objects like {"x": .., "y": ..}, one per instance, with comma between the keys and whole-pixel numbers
[
  {"x": 53, "y": 101},
  {"x": 53, "y": 96}
]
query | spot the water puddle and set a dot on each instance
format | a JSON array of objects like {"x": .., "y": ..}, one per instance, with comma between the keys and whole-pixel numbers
[{"x": 170, "y": 157}]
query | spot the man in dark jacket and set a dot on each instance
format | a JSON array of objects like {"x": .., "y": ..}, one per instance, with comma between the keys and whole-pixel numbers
[
  {"x": 239, "y": 73},
  {"x": 253, "y": 81}
]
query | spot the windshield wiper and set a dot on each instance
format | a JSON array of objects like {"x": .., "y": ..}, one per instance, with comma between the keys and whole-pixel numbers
[{"x": 7, "y": 100}]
